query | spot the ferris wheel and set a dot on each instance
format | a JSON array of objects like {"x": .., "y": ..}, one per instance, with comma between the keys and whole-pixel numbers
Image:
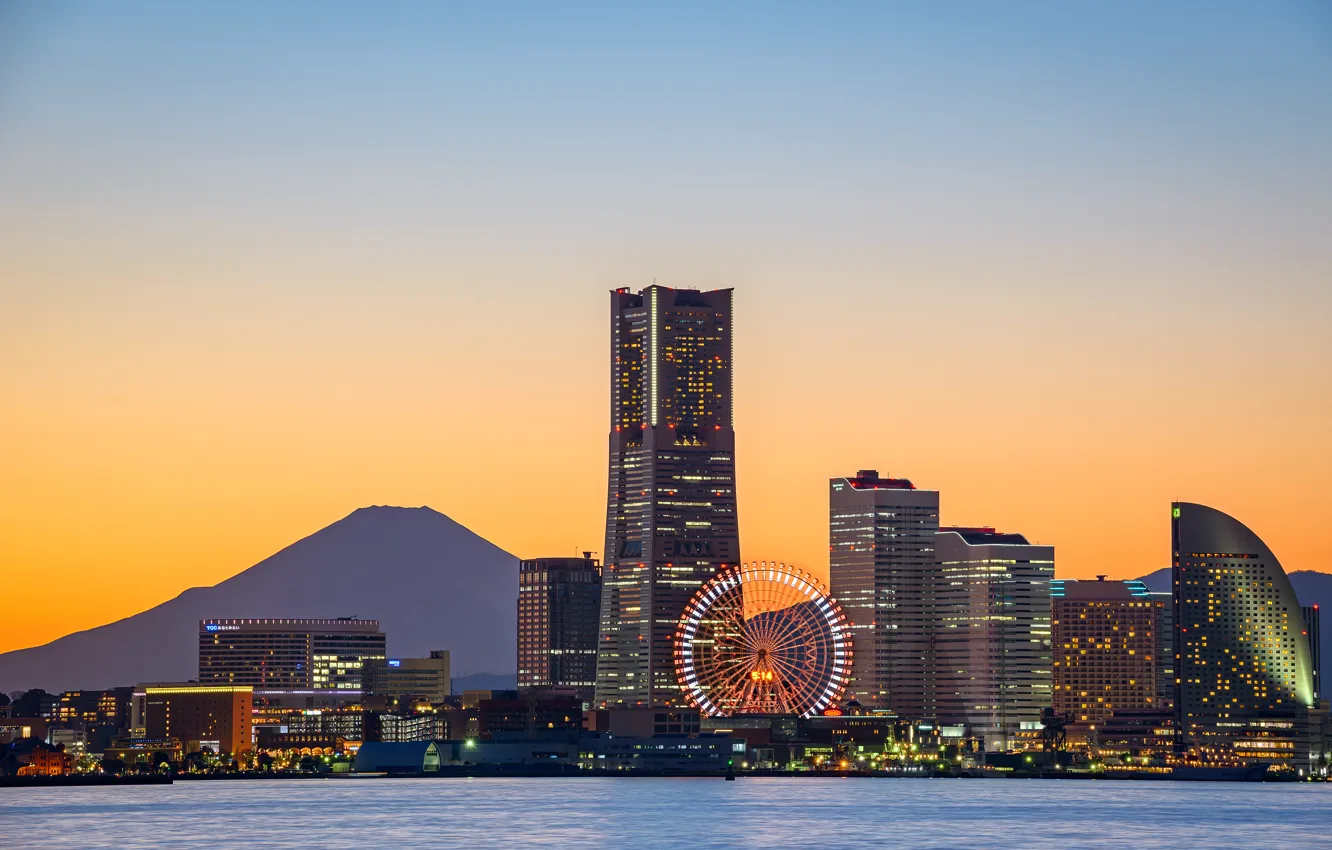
[{"x": 762, "y": 638}]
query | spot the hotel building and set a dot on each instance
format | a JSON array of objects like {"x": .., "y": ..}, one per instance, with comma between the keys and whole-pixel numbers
[
  {"x": 1105, "y": 649},
  {"x": 288, "y": 654},
  {"x": 883, "y": 571},
  {"x": 1245, "y": 674},
  {"x": 559, "y": 608},
  {"x": 671, "y": 508},
  {"x": 992, "y": 648}
]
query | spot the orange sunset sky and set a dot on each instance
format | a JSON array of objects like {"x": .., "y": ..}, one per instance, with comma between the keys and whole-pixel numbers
[{"x": 1058, "y": 264}]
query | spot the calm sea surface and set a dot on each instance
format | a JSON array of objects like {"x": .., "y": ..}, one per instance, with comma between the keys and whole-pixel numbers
[{"x": 669, "y": 813}]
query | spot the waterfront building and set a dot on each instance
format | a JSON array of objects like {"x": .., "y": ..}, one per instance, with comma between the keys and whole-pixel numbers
[
  {"x": 406, "y": 757},
  {"x": 1105, "y": 645},
  {"x": 883, "y": 571},
  {"x": 145, "y": 751},
  {"x": 289, "y": 654},
  {"x": 702, "y": 753},
  {"x": 400, "y": 678},
  {"x": 200, "y": 715},
  {"x": 671, "y": 501},
  {"x": 34, "y": 757},
  {"x": 406, "y": 726},
  {"x": 992, "y": 650},
  {"x": 559, "y": 609},
  {"x": 529, "y": 715},
  {"x": 1245, "y": 675},
  {"x": 643, "y": 722}
]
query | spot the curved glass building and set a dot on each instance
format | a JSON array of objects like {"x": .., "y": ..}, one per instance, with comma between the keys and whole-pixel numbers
[{"x": 1244, "y": 672}]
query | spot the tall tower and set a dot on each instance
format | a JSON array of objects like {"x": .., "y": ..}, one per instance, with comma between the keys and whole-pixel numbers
[
  {"x": 1244, "y": 670},
  {"x": 992, "y": 647},
  {"x": 559, "y": 610},
  {"x": 670, "y": 507},
  {"x": 882, "y": 569}
]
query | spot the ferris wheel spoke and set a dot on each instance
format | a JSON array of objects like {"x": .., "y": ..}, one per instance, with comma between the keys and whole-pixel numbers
[{"x": 792, "y": 632}]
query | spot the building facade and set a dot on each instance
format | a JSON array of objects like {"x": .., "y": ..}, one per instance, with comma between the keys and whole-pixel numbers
[
  {"x": 1105, "y": 645},
  {"x": 399, "y": 678},
  {"x": 289, "y": 654},
  {"x": 216, "y": 716},
  {"x": 671, "y": 504},
  {"x": 993, "y": 649},
  {"x": 559, "y": 611},
  {"x": 1309, "y": 614},
  {"x": 882, "y": 570},
  {"x": 1244, "y": 669}
]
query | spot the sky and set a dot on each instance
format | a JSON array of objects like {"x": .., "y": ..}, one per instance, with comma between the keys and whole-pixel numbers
[{"x": 264, "y": 263}]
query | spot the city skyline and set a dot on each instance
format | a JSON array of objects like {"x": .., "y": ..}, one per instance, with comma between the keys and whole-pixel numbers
[{"x": 1019, "y": 257}]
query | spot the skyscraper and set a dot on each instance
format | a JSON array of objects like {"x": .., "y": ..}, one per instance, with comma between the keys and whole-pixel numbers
[
  {"x": 1244, "y": 671},
  {"x": 882, "y": 569},
  {"x": 992, "y": 648},
  {"x": 559, "y": 608},
  {"x": 671, "y": 507},
  {"x": 1105, "y": 645}
]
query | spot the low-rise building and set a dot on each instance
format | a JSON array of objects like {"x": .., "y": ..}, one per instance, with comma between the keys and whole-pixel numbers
[
  {"x": 398, "y": 757},
  {"x": 219, "y": 717},
  {"x": 34, "y": 757}
]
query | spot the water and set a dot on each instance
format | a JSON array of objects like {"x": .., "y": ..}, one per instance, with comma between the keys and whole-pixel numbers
[{"x": 669, "y": 813}]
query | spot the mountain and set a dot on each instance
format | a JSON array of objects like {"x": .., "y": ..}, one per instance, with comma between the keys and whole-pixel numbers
[
  {"x": 1311, "y": 588},
  {"x": 431, "y": 583}
]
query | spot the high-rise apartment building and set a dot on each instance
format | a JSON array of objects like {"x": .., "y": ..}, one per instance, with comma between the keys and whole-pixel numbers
[
  {"x": 992, "y": 647},
  {"x": 1244, "y": 669},
  {"x": 287, "y": 654},
  {"x": 1105, "y": 649},
  {"x": 883, "y": 571},
  {"x": 671, "y": 507},
  {"x": 559, "y": 609}
]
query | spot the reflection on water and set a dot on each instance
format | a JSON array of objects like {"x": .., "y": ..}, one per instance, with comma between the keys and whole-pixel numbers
[{"x": 669, "y": 813}]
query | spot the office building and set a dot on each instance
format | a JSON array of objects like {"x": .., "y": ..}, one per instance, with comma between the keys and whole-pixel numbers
[
  {"x": 559, "y": 608},
  {"x": 200, "y": 715},
  {"x": 289, "y": 654},
  {"x": 1245, "y": 683},
  {"x": 401, "y": 678},
  {"x": 882, "y": 570},
  {"x": 1105, "y": 647},
  {"x": 992, "y": 649},
  {"x": 671, "y": 506}
]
